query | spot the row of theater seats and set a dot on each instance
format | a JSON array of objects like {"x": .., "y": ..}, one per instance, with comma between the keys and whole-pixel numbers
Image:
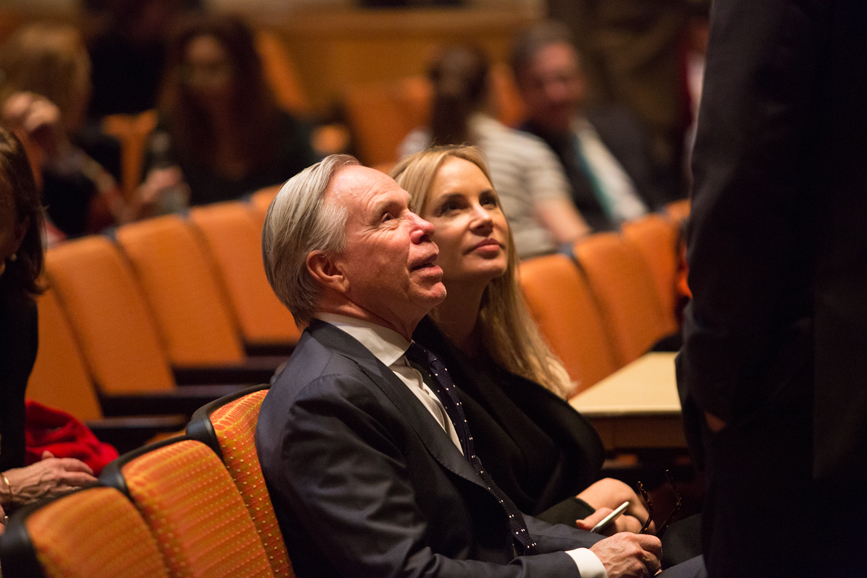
[
  {"x": 614, "y": 298},
  {"x": 164, "y": 316},
  {"x": 191, "y": 506}
]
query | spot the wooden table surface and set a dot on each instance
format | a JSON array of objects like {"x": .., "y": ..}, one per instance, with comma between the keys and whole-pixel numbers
[{"x": 636, "y": 407}]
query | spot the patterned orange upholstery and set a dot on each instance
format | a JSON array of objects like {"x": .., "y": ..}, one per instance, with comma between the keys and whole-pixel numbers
[
  {"x": 59, "y": 377},
  {"x": 625, "y": 291},
  {"x": 563, "y": 307},
  {"x": 235, "y": 426},
  {"x": 658, "y": 241},
  {"x": 233, "y": 238},
  {"x": 192, "y": 506},
  {"x": 109, "y": 316},
  {"x": 94, "y": 533},
  {"x": 180, "y": 283}
]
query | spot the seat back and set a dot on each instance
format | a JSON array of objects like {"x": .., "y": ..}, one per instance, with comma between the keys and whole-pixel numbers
[
  {"x": 381, "y": 114},
  {"x": 678, "y": 211},
  {"x": 191, "y": 505},
  {"x": 180, "y": 284},
  {"x": 132, "y": 130},
  {"x": 93, "y": 533},
  {"x": 109, "y": 316},
  {"x": 658, "y": 241},
  {"x": 625, "y": 292},
  {"x": 232, "y": 236},
  {"x": 59, "y": 377},
  {"x": 228, "y": 425},
  {"x": 261, "y": 200},
  {"x": 563, "y": 307},
  {"x": 280, "y": 72}
]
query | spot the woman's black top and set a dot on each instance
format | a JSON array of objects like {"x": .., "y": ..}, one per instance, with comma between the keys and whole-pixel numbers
[
  {"x": 18, "y": 345},
  {"x": 538, "y": 449}
]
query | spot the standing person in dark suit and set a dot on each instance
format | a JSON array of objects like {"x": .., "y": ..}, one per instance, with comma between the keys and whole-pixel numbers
[
  {"x": 605, "y": 151},
  {"x": 371, "y": 472},
  {"x": 773, "y": 369}
]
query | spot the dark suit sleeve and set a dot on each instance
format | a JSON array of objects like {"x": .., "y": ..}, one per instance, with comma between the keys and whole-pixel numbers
[
  {"x": 346, "y": 478},
  {"x": 749, "y": 235}
]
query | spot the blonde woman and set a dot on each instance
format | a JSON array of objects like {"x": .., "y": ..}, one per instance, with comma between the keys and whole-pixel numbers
[{"x": 539, "y": 450}]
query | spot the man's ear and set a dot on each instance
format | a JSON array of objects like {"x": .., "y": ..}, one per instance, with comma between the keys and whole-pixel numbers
[{"x": 327, "y": 271}]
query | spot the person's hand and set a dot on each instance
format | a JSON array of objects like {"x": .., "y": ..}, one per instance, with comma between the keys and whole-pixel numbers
[
  {"x": 628, "y": 555},
  {"x": 39, "y": 119},
  {"x": 47, "y": 478},
  {"x": 623, "y": 523},
  {"x": 610, "y": 493},
  {"x": 163, "y": 191}
]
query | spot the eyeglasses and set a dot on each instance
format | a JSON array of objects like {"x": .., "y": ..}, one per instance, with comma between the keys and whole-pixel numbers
[{"x": 646, "y": 497}]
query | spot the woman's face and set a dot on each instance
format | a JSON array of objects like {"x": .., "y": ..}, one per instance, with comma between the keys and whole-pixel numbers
[
  {"x": 208, "y": 71},
  {"x": 470, "y": 228}
]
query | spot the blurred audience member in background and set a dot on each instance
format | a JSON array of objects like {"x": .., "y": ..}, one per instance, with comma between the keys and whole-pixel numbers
[
  {"x": 127, "y": 47},
  {"x": 605, "y": 151},
  {"x": 21, "y": 261},
  {"x": 44, "y": 93},
  {"x": 531, "y": 184},
  {"x": 225, "y": 130}
]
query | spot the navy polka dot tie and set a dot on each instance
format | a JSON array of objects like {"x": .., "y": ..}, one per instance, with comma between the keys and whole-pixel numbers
[{"x": 448, "y": 395}]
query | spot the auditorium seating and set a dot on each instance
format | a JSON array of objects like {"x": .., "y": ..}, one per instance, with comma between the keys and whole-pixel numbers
[
  {"x": 561, "y": 304},
  {"x": 625, "y": 292},
  {"x": 190, "y": 307},
  {"x": 93, "y": 533},
  {"x": 232, "y": 235},
  {"x": 191, "y": 505},
  {"x": 228, "y": 426}
]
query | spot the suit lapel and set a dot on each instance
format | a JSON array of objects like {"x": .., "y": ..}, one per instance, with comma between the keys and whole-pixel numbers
[{"x": 437, "y": 442}]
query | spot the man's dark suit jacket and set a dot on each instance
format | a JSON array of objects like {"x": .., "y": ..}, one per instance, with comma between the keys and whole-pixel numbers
[
  {"x": 623, "y": 134},
  {"x": 778, "y": 230},
  {"x": 365, "y": 482}
]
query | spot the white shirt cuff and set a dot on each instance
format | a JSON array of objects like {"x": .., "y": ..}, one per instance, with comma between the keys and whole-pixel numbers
[{"x": 588, "y": 564}]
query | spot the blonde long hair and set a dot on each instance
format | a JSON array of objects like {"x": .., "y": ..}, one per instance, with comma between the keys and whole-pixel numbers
[{"x": 509, "y": 335}]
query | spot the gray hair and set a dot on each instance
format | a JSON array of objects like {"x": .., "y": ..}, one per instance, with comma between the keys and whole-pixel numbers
[{"x": 300, "y": 221}]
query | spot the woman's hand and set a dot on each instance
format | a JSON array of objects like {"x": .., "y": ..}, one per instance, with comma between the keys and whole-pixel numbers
[
  {"x": 610, "y": 493},
  {"x": 47, "y": 478},
  {"x": 40, "y": 120}
]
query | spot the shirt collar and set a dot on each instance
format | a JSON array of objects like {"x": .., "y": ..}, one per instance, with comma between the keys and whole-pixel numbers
[{"x": 385, "y": 344}]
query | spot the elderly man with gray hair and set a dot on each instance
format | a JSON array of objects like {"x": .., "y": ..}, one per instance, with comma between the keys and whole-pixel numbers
[{"x": 365, "y": 452}]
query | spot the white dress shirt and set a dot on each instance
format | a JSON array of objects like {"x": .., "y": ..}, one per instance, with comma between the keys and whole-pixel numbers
[{"x": 390, "y": 347}]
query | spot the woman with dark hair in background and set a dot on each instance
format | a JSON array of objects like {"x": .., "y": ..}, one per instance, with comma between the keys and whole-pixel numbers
[
  {"x": 21, "y": 262},
  {"x": 528, "y": 177},
  {"x": 219, "y": 120}
]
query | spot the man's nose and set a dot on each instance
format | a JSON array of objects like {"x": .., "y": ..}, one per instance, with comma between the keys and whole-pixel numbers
[{"x": 421, "y": 230}]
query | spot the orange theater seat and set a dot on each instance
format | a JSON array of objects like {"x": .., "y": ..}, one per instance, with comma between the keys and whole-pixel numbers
[
  {"x": 626, "y": 293},
  {"x": 180, "y": 284},
  {"x": 93, "y": 533},
  {"x": 261, "y": 200},
  {"x": 560, "y": 302},
  {"x": 116, "y": 334},
  {"x": 191, "y": 505},
  {"x": 381, "y": 114},
  {"x": 232, "y": 235},
  {"x": 59, "y": 378},
  {"x": 658, "y": 240},
  {"x": 228, "y": 426}
]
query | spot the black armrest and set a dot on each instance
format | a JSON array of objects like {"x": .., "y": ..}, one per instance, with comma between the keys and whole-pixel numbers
[
  {"x": 182, "y": 400},
  {"x": 251, "y": 370},
  {"x": 127, "y": 433}
]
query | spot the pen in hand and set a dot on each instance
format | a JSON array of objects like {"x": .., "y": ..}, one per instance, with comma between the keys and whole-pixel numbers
[{"x": 607, "y": 520}]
